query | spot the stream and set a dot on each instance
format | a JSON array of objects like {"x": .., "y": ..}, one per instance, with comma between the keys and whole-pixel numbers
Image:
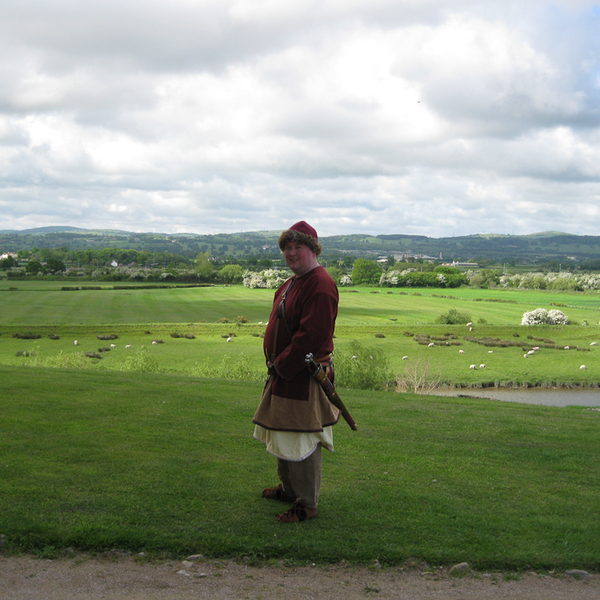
[{"x": 547, "y": 397}]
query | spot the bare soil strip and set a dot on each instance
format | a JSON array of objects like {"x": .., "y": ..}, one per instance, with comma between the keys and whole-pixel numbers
[{"x": 94, "y": 578}]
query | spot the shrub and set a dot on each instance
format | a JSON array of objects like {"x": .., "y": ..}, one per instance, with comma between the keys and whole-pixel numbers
[
  {"x": 540, "y": 316},
  {"x": 453, "y": 317},
  {"x": 418, "y": 377},
  {"x": 72, "y": 360},
  {"x": 270, "y": 279},
  {"x": 362, "y": 368},
  {"x": 142, "y": 362}
]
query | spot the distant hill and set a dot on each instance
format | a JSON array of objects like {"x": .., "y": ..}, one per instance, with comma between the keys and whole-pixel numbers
[
  {"x": 533, "y": 248},
  {"x": 43, "y": 230}
]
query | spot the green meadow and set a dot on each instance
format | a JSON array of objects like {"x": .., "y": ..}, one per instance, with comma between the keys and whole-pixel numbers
[
  {"x": 149, "y": 448},
  {"x": 384, "y": 319},
  {"x": 166, "y": 464}
]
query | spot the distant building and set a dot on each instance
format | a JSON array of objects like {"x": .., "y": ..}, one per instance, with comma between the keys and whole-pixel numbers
[{"x": 460, "y": 264}]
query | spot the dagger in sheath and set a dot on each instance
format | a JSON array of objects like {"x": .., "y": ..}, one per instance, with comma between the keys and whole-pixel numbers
[{"x": 316, "y": 370}]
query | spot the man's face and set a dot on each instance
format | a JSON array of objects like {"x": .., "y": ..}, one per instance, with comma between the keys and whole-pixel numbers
[{"x": 299, "y": 258}]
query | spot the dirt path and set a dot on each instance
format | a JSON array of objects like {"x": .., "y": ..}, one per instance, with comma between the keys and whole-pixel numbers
[{"x": 87, "y": 578}]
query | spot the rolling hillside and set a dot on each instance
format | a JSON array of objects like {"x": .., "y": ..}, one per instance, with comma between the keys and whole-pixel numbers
[{"x": 532, "y": 248}]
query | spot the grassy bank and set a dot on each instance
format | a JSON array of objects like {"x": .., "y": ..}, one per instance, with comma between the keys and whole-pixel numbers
[
  {"x": 167, "y": 463},
  {"x": 206, "y": 351}
]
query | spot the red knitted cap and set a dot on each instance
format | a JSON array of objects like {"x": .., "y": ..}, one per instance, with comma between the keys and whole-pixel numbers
[{"x": 304, "y": 227}]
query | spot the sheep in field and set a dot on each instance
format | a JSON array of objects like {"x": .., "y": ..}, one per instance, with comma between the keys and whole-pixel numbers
[
  {"x": 473, "y": 367},
  {"x": 482, "y": 366}
]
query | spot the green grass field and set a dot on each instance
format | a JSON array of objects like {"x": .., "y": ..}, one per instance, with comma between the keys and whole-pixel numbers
[
  {"x": 377, "y": 318},
  {"x": 150, "y": 447},
  {"x": 166, "y": 464},
  {"x": 43, "y": 303}
]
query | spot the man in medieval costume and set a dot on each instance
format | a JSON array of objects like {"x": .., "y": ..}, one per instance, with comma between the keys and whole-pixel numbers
[{"x": 295, "y": 417}]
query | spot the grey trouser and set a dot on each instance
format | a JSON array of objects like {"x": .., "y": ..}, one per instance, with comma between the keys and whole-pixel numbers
[{"x": 302, "y": 479}]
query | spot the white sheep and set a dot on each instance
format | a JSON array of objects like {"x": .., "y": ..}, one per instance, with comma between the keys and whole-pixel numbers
[
  {"x": 531, "y": 352},
  {"x": 490, "y": 352},
  {"x": 473, "y": 367},
  {"x": 594, "y": 344},
  {"x": 404, "y": 357},
  {"x": 582, "y": 367},
  {"x": 127, "y": 345},
  {"x": 525, "y": 355},
  {"x": 154, "y": 342},
  {"x": 461, "y": 351},
  {"x": 112, "y": 346},
  {"x": 567, "y": 347},
  {"x": 431, "y": 345},
  {"x": 482, "y": 366},
  {"x": 76, "y": 342},
  {"x": 469, "y": 324},
  {"x": 229, "y": 339}
]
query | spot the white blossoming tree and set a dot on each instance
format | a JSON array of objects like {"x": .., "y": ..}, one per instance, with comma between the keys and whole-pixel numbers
[
  {"x": 269, "y": 279},
  {"x": 557, "y": 317},
  {"x": 540, "y": 316}
]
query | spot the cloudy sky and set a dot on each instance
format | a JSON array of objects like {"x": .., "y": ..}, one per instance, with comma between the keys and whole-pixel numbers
[{"x": 433, "y": 117}]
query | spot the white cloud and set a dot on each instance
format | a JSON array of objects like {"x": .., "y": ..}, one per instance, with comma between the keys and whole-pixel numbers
[{"x": 419, "y": 116}]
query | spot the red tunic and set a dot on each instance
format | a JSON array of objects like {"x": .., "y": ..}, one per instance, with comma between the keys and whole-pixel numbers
[{"x": 311, "y": 305}]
